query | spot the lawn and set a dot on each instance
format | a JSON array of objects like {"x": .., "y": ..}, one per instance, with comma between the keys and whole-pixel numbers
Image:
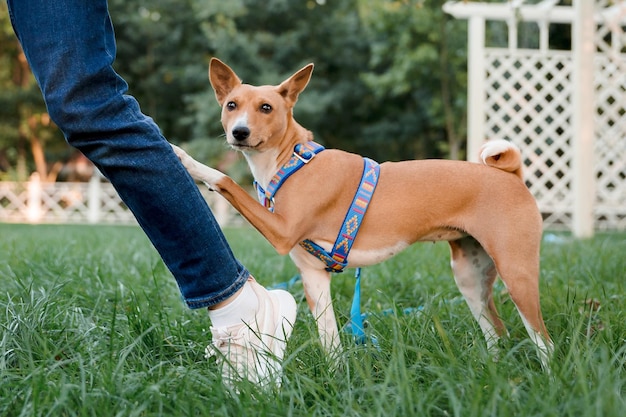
[{"x": 91, "y": 324}]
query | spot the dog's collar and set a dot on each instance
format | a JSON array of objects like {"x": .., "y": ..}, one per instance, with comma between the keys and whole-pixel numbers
[
  {"x": 337, "y": 259},
  {"x": 302, "y": 154}
]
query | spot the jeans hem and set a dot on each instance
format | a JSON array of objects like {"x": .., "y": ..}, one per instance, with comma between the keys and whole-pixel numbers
[{"x": 203, "y": 302}]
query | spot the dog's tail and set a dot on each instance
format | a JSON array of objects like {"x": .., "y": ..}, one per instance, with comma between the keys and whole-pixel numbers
[{"x": 502, "y": 154}]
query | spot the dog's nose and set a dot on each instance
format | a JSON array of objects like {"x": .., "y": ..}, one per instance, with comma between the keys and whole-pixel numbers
[{"x": 241, "y": 133}]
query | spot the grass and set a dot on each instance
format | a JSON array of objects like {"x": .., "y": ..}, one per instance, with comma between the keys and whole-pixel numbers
[{"x": 91, "y": 324}]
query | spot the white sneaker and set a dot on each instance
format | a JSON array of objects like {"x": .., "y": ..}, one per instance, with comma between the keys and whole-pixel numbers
[{"x": 255, "y": 350}]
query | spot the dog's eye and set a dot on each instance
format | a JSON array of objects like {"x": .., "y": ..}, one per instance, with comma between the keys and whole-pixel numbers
[
  {"x": 266, "y": 108},
  {"x": 231, "y": 105}
]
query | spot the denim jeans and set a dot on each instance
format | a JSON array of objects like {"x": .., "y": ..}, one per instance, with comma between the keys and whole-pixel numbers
[{"x": 70, "y": 46}]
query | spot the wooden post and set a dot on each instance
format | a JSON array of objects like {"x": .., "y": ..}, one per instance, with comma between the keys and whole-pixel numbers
[
  {"x": 34, "y": 211},
  {"x": 583, "y": 103},
  {"x": 475, "y": 87},
  {"x": 94, "y": 198}
]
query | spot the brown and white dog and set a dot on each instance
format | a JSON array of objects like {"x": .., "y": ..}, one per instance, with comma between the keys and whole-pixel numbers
[{"x": 484, "y": 211}]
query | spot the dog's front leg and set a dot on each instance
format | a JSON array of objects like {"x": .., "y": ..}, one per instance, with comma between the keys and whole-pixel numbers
[
  {"x": 317, "y": 291},
  {"x": 280, "y": 231},
  {"x": 316, "y": 282}
]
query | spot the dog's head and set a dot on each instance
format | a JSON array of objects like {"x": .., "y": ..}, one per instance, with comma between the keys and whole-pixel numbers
[{"x": 256, "y": 118}]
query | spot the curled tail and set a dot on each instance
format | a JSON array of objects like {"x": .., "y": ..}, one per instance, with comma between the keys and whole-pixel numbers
[{"x": 502, "y": 154}]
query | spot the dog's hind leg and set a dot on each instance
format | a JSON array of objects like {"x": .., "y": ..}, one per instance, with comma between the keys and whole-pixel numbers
[
  {"x": 519, "y": 270},
  {"x": 474, "y": 273}
]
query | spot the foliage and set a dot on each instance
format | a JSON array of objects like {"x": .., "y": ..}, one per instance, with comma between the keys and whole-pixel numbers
[
  {"x": 389, "y": 78},
  {"x": 163, "y": 56},
  {"x": 25, "y": 126},
  {"x": 92, "y": 325},
  {"x": 417, "y": 74}
]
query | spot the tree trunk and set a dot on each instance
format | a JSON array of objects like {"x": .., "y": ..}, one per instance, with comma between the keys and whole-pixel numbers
[{"x": 39, "y": 157}]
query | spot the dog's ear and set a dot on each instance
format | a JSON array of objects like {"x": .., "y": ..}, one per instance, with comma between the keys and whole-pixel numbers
[
  {"x": 293, "y": 86},
  {"x": 222, "y": 78}
]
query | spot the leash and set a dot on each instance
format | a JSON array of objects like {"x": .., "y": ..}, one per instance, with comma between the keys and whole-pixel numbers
[
  {"x": 356, "y": 319},
  {"x": 356, "y": 326}
]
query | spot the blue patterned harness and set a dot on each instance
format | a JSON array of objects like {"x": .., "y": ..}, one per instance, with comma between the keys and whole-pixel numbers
[{"x": 337, "y": 259}]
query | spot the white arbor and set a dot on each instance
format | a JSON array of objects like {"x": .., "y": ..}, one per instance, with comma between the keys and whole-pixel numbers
[{"x": 564, "y": 108}]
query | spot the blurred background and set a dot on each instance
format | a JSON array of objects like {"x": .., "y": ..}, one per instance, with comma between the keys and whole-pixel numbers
[{"x": 390, "y": 82}]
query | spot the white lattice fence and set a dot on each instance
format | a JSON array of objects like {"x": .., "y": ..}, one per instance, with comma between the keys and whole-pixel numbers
[
  {"x": 62, "y": 202},
  {"x": 13, "y": 202},
  {"x": 527, "y": 101},
  {"x": 610, "y": 126},
  {"x": 80, "y": 202},
  {"x": 527, "y": 96}
]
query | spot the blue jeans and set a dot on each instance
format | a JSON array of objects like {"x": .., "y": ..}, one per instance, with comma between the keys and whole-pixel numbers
[{"x": 70, "y": 46}]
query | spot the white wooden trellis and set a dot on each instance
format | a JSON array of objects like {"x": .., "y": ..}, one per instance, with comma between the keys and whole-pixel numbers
[
  {"x": 36, "y": 201},
  {"x": 565, "y": 109},
  {"x": 90, "y": 202}
]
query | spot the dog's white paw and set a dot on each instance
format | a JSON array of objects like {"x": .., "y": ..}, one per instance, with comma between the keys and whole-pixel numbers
[
  {"x": 209, "y": 176},
  {"x": 188, "y": 162},
  {"x": 198, "y": 171},
  {"x": 183, "y": 156}
]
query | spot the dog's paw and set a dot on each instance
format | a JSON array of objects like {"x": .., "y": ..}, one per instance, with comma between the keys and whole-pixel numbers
[
  {"x": 182, "y": 155},
  {"x": 209, "y": 176},
  {"x": 198, "y": 171}
]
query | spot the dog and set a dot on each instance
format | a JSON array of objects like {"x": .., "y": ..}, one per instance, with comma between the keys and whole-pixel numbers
[{"x": 484, "y": 210}]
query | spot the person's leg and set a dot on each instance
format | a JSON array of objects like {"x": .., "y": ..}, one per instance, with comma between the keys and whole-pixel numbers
[{"x": 70, "y": 46}]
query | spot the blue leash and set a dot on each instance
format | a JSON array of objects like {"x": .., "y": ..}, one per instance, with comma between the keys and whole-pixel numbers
[
  {"x": 356, "y": 318},
  {"x": 356, "y": 327}
]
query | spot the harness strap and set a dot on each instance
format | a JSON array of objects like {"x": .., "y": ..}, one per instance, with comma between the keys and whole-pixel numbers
[
  {"x": 302, "y": 154},
  {"x": 337, "y": 259}
]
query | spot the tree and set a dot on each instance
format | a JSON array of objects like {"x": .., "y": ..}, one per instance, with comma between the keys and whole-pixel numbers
[
  {"x": 417, "y": 66},
  {"x": 163, "y": 56},
  {"x": 25, "y": 127}
]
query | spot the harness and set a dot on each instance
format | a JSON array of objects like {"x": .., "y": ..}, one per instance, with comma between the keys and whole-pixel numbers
[{"x": 337, "y": 259}]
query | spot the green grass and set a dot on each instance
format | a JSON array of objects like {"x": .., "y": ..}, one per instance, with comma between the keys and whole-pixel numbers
[{"x": 91, "y": 324}]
